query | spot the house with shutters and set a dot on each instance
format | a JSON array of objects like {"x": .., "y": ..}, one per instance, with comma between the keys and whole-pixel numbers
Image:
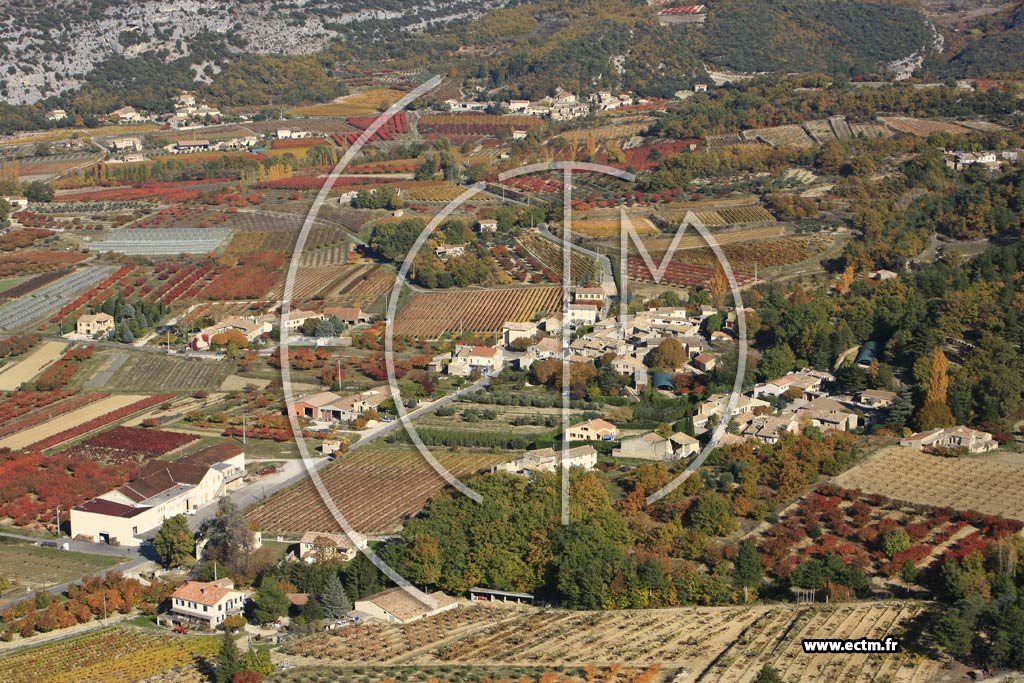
[{"x": 207, "y": 603}]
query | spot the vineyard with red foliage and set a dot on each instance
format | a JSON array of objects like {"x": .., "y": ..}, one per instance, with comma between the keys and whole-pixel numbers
[
  {"x": 36, "y": 261},
  {"x": 19, "y": 239},
  {"x": 32, "y": 485},
  {"x": 391, "y": 128},
  {"x": 129, "y": 444},
  {"x": 474, "y": 125},
  {"x": 57, "y": 375},
  {"x": 99, "y": 422},
  {"x": 680, "y": 274}
]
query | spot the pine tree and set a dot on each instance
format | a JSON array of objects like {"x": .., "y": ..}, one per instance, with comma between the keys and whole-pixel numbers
[
  {"x": 749, "y": 571},
  {"x": 335, "y": 601},
  {"x": 227, "y": 659}
]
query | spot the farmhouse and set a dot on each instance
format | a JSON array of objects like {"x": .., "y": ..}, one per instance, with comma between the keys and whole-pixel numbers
[
  {"x": 704, "y": 362},
  {"x": 487, "y": 225},
  {"x": 56, "y": 115},
  {"x": 467, "y": 359},
  {"x": 447, "y": 251},
  {"x": 94, "y": 325},
  {"x": 971, "y": 440},
  {"x": 654, "y": 446},
  {"x": 186, "y": 146},
  {"x": 164, "y": 489},
  {"x": 126, "y": 145},
  {"x": 295, "y": 319},
  {"x": 207, "y": 603},
  {"x": 328, "y": 406},
  {"x": 252, "y": 327},
  {"x": 349, "y": 316},
  {"x": 593, "y": 430},
  {"x": 316, "y": 546},
  {"x": 126, "y": 115},
  {"x": 404, "y": 605},
  {"x": 546, "y": 460}
]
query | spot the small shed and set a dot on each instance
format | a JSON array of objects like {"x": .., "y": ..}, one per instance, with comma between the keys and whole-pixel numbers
[{"x": 489, "y": 595}]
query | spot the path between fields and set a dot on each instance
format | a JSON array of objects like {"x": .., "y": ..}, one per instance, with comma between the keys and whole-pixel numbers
[{"x": 14, "y": 375}]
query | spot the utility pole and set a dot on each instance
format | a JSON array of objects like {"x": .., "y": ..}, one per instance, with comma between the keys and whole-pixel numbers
[
  {"x": 58, "y": 520},
  {"x": 243, "y": 429}
]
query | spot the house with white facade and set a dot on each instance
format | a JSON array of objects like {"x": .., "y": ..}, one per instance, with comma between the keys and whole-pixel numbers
[
  {"x": 971, "y": 440},
  {"x": 467, "y": 358},
  {"x": 207, "y": 603},
  {"x": 547, "y": 460},
  {"x": 592, "y": 430}
]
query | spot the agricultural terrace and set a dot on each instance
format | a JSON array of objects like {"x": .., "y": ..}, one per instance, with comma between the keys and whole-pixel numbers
[
  {"x": 711, "y": 644},
  {"x": 14, "y": 375},
  {"x": 432, "y": 315},
  {"x": 120, "y": 654},
  {"x": 40, "y": 567},
  {"x": 356, "y": 481},
  {"x": 680, "y": 274},
  {"x": 783, "y": 251},
  {"x": 991, "y": 484},
  {"x": 153, "y": 372},
  {"x": 74, "y": 419}
]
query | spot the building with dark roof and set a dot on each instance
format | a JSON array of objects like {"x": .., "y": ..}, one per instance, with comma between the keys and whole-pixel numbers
[{"x": 163, "y": 489}]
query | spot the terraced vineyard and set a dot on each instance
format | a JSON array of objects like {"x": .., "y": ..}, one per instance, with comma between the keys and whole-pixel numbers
[
  {"x": 432, "y": 315},
  {"x": 355, "y": 482}
]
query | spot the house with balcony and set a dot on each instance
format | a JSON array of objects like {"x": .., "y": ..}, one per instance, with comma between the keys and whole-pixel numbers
[
  {"x": 468, "y": 358},
  {"x": 206, "y": 603}
]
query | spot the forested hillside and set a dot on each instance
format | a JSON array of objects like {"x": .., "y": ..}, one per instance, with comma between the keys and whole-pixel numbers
[
  {"x": 848, "y": 36},
  {"x": 997, "y": 48}
]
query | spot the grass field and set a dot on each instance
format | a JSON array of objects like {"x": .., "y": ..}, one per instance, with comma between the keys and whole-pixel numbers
[
  {"x": 990, "y": 484},
  {"x": 356, "y": 482},
  {"x": 38, "y": 567}
]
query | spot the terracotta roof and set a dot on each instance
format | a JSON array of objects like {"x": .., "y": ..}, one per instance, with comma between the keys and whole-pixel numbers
[
  {"x": 345, "y": 314},
  {"x": 399, "y": 602},
  {"x": 202, "y": 593},
  {"x": 298, "y": 599}
]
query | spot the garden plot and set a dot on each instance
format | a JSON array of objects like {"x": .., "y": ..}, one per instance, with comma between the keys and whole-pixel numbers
[
  {"x": 14, "y": 375},
  {"x": 989, "y": 485},
  {"x": 45, "y": 300},
  {"x": 162, "y": 241}
]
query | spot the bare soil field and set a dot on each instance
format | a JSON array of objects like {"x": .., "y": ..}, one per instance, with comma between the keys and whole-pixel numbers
[
  {"x": 703, "y": 643},
  {"x": 992, "y": 485},
  {"x": 35, "y": 434},
  {"x": 14, "y": 375}
]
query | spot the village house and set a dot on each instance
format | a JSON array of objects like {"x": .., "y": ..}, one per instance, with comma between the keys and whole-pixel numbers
[
  {"x": 877, "y": 398},
  {"x": 56, "y": 115},
  {"x": 547, "y": 459},
  {"x": 810, "y": 383},
  {"x": 769, "y": 428},
  {"x": 487, "y": 225},
  {"x": 126, "y": 115},
  {"x": 592, "y": 295},
  {"x": 511, "y": 331},
  {"x": 546, "y": 348},
  {"x": 582, "y": 314},
  {"x": 163, "y": 489},
  {"x": 207, "y": 603},
  {"x": 317, "y": 546},
  {"x": 654, "y": 446},
  {"x": 704, "y": 362},
  {"x": 95, "y": 325},
  {"x": 632, "y": 367},
  {"x": 715, "y": 405},
  {"x": 404, "y": 605},
  {"x": 327, "y": 406},
  {"x": 971, "y": 440},
  {"x": 518, "y": 106},
  {"x": 592, "y": 430},
  {"x": 466, "y": 359}
]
